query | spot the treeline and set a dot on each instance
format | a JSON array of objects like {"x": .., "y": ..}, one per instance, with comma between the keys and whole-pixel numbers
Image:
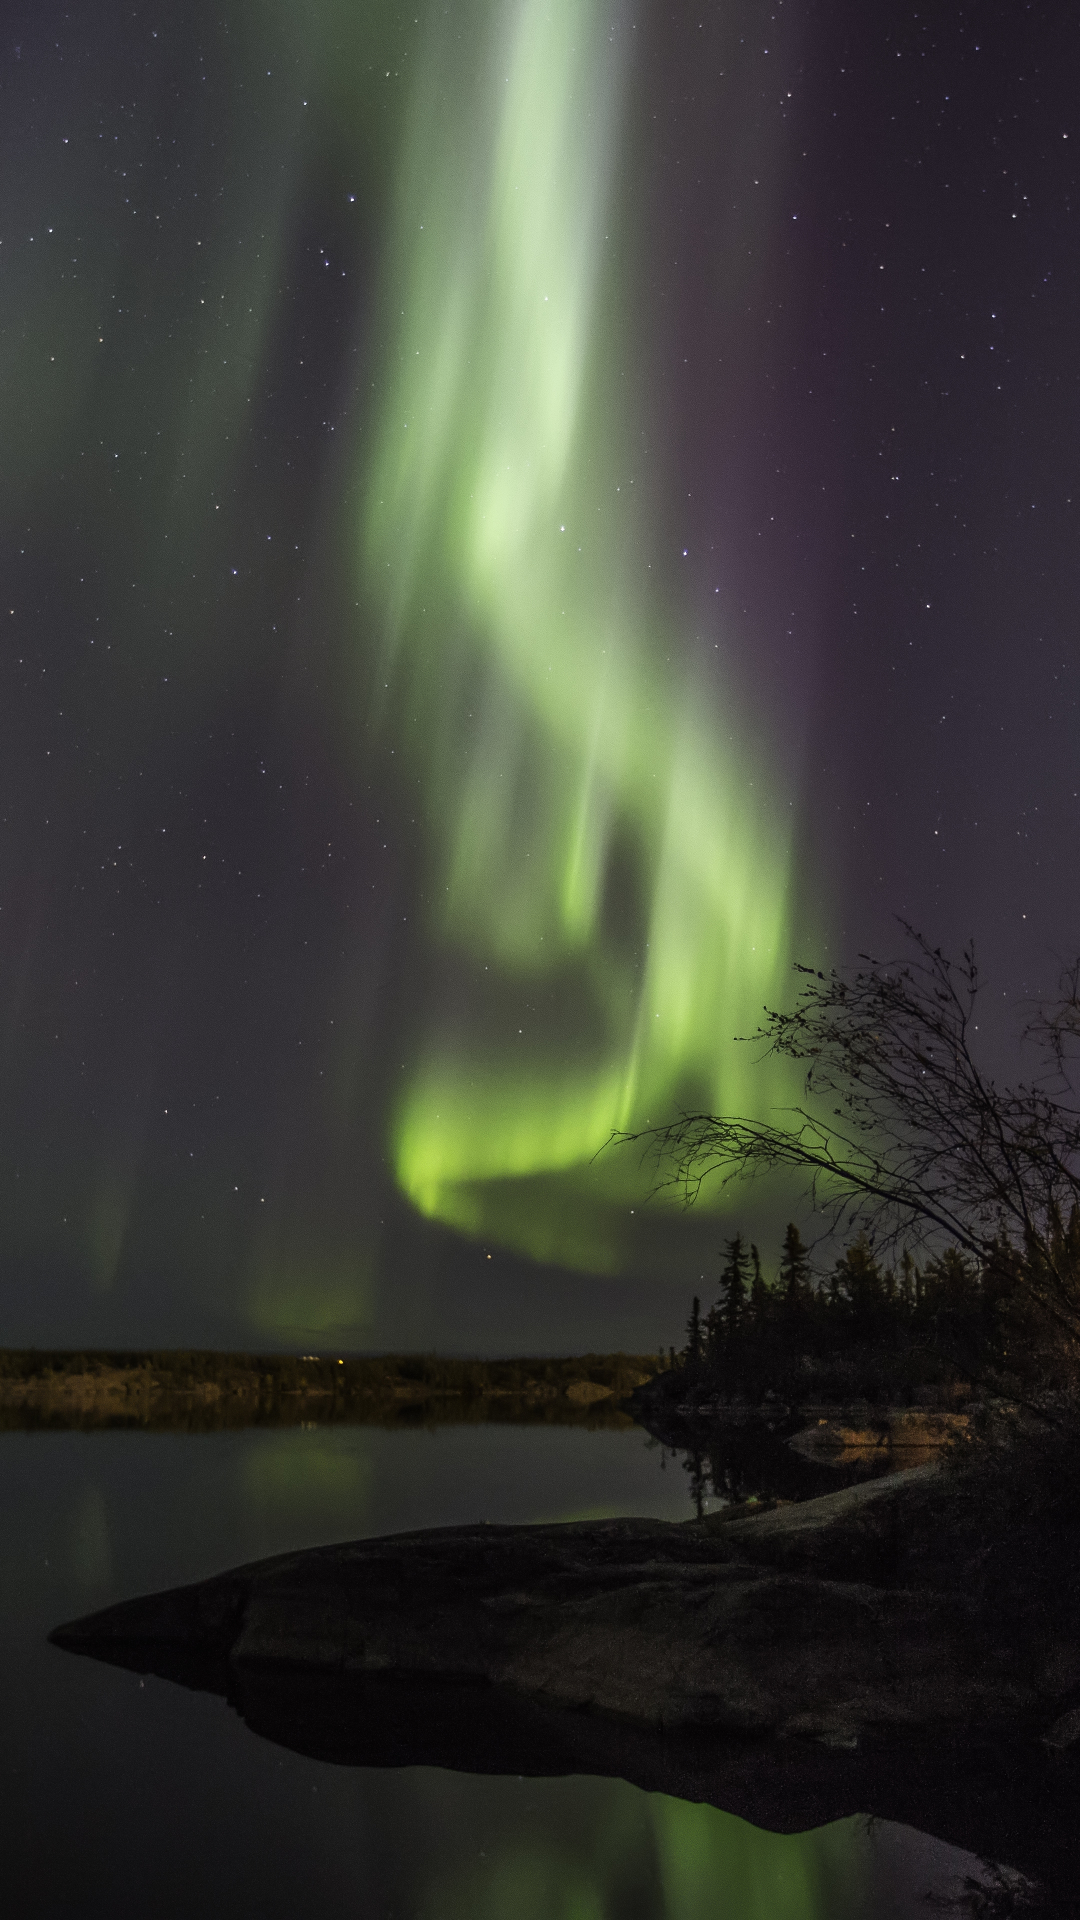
[
  {"x": 200, "y": 1390},
  {"x": 179, "y": 1370},
  {"x": 867, "y": 1328}
]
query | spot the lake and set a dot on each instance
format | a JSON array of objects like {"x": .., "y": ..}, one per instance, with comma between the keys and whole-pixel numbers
[{"x": 124, "y": 1796}]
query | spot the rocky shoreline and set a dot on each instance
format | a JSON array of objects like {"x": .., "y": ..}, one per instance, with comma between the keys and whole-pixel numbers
[
  {"x": 794, "y": 1665},
  {"x": 195, "y": 1392},
  {"x": 200, "y": 1391},
  {"x": 906, "y": 1436}
]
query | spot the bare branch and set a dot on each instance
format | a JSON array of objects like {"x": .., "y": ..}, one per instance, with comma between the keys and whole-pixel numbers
[{"x": 900, "y": 1131}]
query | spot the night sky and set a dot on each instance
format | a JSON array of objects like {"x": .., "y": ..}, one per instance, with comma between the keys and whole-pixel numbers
[{"x": 519, "y": 520}]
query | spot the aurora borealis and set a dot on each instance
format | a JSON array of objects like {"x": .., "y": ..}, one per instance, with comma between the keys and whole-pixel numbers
[
  {"x": 550, "y": 735},
  {"x": 518, "y": 522}
]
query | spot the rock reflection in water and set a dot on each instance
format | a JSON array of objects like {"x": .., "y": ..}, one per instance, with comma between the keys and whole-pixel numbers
[
  {"x": 151, "y": 1796},
  {"x": 727, "y": 1463}
]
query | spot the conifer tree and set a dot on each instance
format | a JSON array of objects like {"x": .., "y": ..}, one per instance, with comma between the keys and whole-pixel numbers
[
  {"x": 794, "y": 1278},
  {"x": 732, "y": 1302},
  {"x": 759, "y": 1292},
  {"x": 713, "y": 1326},
  {"x": 862, "y": 1288},
  {"x": 903, "y": 1132},
  {"x": 794, "y": 1265},
  {"x": 693, "y": 1334}
]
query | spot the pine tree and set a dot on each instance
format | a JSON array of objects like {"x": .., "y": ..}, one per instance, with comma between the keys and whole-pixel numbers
[
  {"x": 951, "y": 1284},
  {"x": 901, "y": 1129},
  {"x": 732, "y": 1303},
  {"x": 759, "y": 1293},
  {"x": 713, "y": 1325},
  {"x": 693, "y": 1335},
  {"x": 863, "y": 1289},
  {"x": 794, "y": 1278}
]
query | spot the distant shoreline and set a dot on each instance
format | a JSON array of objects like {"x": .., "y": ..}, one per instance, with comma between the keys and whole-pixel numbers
[{"x": 203, "y": 1390}]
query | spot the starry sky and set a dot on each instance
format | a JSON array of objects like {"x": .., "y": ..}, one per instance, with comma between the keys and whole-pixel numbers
[{"x": 519, "y": 520}]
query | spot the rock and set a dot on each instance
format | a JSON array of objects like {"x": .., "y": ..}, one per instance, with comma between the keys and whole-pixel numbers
[
  {"x": 783, "y": 1622},
  {"x": 852, "y": 1534},
  {"x": 892, "y": 1430},
  {"x": 764, "y": 1663},
  {"x": 584, "y": 1393}
]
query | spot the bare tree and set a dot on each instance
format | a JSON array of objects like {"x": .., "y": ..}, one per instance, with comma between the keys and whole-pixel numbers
[{"x": 900, "y": 1133}]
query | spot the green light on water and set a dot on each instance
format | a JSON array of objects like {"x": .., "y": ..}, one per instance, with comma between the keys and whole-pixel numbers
[
  {"x": 316, "y": 1480},
  {"x": 713, "y": 1864},
  {"x": 573, "y": 1849},
  {"x": 606, "y": 891}
]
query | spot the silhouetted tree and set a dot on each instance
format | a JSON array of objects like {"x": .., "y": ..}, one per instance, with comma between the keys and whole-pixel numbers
[
  {"x": 793, "y": 1282},
  {"x": 695, "y": 1351},
  {"x": 760, "y": 1298},
  {"x": 732, "y": 1304},
  {"x": 714, "y": 1334},
  {"x": 862, "y": 1288},
  {"x": 903, "y": 1133},
  {"x": 864, "y": 1331}
]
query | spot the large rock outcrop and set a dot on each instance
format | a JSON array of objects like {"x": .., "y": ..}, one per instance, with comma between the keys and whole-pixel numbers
[{"x": 773, "y": 1664}]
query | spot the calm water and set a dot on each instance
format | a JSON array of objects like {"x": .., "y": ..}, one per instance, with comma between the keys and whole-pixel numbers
[{"x": 122, "y": 1797}]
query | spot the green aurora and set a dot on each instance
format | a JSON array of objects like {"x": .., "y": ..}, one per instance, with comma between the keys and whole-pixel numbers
[
  {"x": 423, "y": 816},
  {"x": 599, "y": 850}
]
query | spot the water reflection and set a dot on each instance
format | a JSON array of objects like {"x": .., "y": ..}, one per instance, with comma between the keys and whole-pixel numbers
[
  {"x": 90, "y": 1547},
  {"x": 317, "y": 1477},
  {"x": 123, "y": 1795},
  {"x": 764, "y": 1876},
  {"x": 572, "y": 1850},
  {"x": 726, "y": 1465}
]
